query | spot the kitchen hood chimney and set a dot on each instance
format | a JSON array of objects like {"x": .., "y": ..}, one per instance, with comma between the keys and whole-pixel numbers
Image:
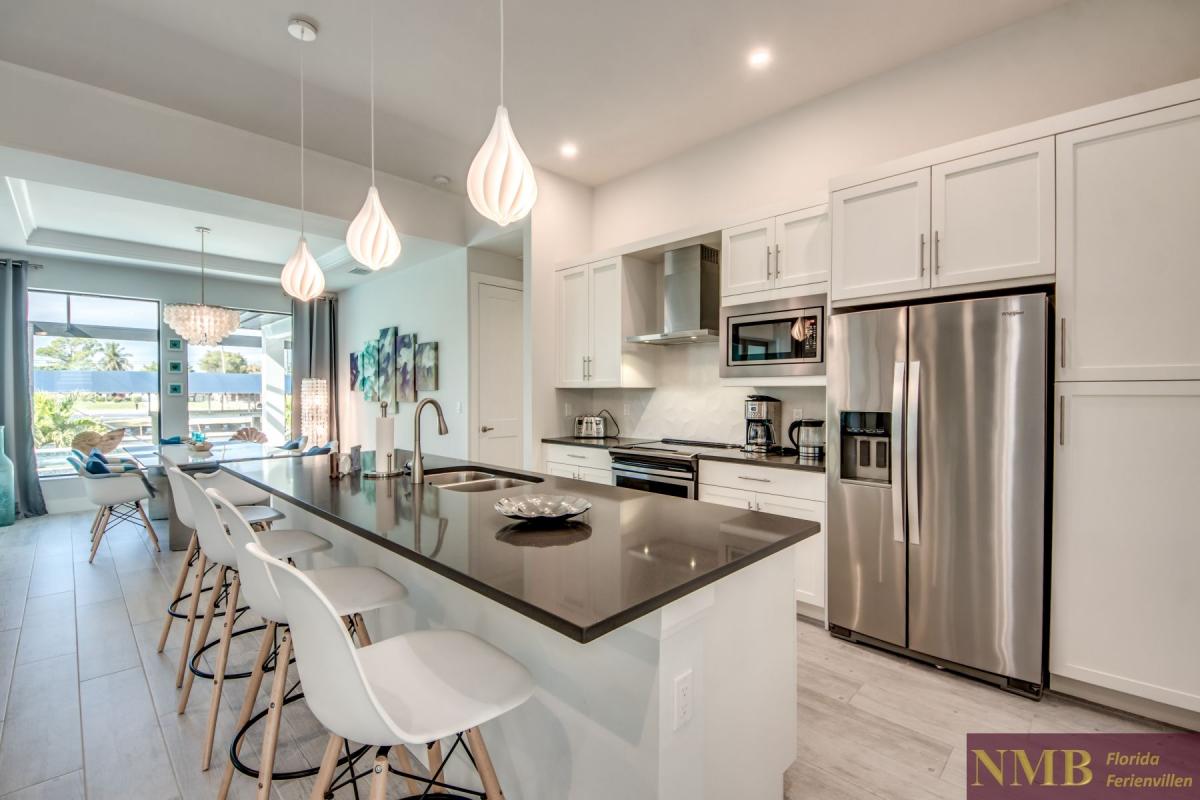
[{"x": 691, "y": 297}]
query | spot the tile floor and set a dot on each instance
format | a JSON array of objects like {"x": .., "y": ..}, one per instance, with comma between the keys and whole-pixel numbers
[{"x": 87, "y": 707}]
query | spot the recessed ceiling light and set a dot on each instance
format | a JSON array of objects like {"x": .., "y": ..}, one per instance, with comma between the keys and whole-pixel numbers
[
  {"x": 569, "y": 150},
  {"x": 441, "y": 180},
  {"x": 303, "y": 28},
  {"x": 759, "y": 57}
]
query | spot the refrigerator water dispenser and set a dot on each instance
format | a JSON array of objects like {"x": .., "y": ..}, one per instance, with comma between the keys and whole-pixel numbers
[{"x": 866, "y": 446}]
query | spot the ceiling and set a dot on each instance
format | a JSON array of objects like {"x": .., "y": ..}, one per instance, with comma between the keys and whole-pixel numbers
[{"x": 630, "y": 81}]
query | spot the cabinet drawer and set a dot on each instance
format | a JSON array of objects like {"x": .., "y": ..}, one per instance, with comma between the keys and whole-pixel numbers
[
  {"x": 579, "y": 456},
  {"x": 769, "y": 480}
]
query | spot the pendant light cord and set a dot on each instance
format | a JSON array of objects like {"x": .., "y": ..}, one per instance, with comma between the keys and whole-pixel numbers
[
  {"x": 372, "y": 49},
  {"x": 501, "y": 52},
  {"x": 202, "y": 267},
  {"x": 302, "y": 139}
]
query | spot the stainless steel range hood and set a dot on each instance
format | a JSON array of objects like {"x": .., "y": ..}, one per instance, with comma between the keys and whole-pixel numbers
[{"x": 691, "y": 297}]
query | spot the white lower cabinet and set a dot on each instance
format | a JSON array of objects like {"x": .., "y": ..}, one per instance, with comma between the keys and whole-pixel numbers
[
  {"x": 590, "y": 464},
  {"x": 810, "y": 554},
  {"x": 1125, "y": 600}
]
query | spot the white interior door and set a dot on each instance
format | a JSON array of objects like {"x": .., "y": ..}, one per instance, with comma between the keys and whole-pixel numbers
[
  {"x": 574, "y": 325},
  {"x": 993, "y": 215},
  {"x": 881, "y": 236},
  {"x": 498, "y": 374},
  {"x": 747, "y": 257},
  {"x": 605, "y": 291},
  {"x": 803, "y": 254}
]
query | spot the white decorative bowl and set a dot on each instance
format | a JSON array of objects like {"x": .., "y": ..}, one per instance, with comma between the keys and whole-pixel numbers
[{"x": 542, "y": 507}]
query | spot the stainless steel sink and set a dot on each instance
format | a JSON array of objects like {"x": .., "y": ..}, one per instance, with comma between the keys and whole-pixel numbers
[
  {"x": 484, "y": 484},
  {"x": 462, "y": 476}
]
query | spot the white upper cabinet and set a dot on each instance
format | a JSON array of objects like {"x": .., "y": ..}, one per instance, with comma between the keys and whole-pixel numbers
[
  {"x": 605, "y": 280},
  {"x": 881, "y": 236},
  {"x": 802, "y": 247},
  {"x": 747, "y": 257},
  {"x": 993, "y": 215},
  {"x": 574, "y": 325},
  {"x": 1129, "y": 248}
]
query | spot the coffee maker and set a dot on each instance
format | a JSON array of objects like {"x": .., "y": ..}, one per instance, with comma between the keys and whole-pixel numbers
[{"x": 762, "y": 423}]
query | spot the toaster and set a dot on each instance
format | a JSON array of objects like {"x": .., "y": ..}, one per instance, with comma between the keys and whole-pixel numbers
[{"x": 590, "y": 426}]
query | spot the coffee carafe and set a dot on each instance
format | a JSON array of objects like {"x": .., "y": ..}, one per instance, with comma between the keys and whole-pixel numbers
[{"x": 762, "y": 423}]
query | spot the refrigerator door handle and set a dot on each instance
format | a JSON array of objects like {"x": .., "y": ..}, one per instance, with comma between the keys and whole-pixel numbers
[
  {"x": 912, "y": 437},
  {"x": 897, "y": 484}
]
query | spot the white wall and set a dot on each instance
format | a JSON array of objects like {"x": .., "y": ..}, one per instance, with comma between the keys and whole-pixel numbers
[
  {"x": 430, "y": 300},
  {"x": 497, "y": 265},
  {"x": 1078, "y": 55}
]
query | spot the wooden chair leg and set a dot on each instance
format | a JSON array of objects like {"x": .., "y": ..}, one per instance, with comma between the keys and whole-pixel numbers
[
  {"x": 177, "y": 592},
  {"x": 406, "y": 765},
  {"x": 99, "y": 537},
  {"x": 95, "y": 524},
  {"x": 219, "y": 671},
  {"x": 360, "y": 628},
  {"x": 193, "y": 605},
  {"x": 205, "y": 627},
  {"x": 252, "y": 687},
  {"x": 483, "y": 763},
  {"x": 266, "y": 762},
  {"x": 379, "y": 778},
  {"x": 434, "y": 755},
  {"x": 328, "y": 763},
  {"x": 149, "y": 527}
]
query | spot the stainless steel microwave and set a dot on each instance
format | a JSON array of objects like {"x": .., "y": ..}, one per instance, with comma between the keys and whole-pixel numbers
[{"x": 774, "y": 339}]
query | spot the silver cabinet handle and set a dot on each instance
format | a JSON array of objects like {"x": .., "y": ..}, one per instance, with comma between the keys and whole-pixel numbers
[
  {"x": 768, "y": 262},
  {"x": 897, "y": 488},
  {"x": 912, "y": 432},
  {"x": 1062, "y": 420},
  {"x": 777, "y": 268},
  {"x": 757, "y": 506},
  {"x": 937, "y": 252},
  {"x": 575, "y": 455},
  {"x": 1062, "y": 344},
  {"x": 749, "y": 506},
  {"x": 921, "y": 254},
  {"x": 486, "y": 428},
  {"x": 756, "y": 480}
]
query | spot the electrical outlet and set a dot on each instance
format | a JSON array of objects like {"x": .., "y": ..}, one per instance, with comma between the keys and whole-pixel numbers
[
  {"x": 683, "y": 699},
  {"x": 797, "y": 413},
  {"x": 458, "y": 407},
  {"x": 568, "y": 410},
  {"x": 627, "y": 410}
]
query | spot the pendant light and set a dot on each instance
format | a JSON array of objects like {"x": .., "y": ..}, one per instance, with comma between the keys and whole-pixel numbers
[
  {"x": 501, "y": 183},
  {"x": 201, "y": 324},
  {"x": 371, "y": 238},
  {"x": 302, "y": 277}
]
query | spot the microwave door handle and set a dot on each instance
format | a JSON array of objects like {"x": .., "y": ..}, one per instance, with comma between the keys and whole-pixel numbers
[
  {"x": 912, "y": 440},
  {"x": 897, "y": 484}
]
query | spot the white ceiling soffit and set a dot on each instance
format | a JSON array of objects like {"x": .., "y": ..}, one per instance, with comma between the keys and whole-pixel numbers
[{"x": 630, "y": 81}]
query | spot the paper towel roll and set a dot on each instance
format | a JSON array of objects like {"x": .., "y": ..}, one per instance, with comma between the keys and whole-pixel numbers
[{"x": 385, "y": 443}]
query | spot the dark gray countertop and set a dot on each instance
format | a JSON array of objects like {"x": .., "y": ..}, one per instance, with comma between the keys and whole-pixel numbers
[
  {"x": 603, "y": 444},
  {"x": 632, "y": 553},
  {"x": 767, "y": 460}
]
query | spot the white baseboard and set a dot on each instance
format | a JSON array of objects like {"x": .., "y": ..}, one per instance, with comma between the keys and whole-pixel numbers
[
  {"x": 69, "y": 505},
  {"x": 1151, "y": 709}
]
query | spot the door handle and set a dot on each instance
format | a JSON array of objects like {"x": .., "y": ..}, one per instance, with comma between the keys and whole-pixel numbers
[
  {"x": 912, "y": 477},
  {"x": 749, "y": 505},
  {"x": 776, "y": 261},
  {"x": 486, "y": 428},
  {"x": 574, "y": 455},
  {"x": 921, "y": 254},
  {"x": 937, "y": 252},
  {"x": 897, "y": 485}
]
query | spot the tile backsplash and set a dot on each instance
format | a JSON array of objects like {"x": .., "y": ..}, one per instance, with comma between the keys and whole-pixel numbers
[{"x": 689, "y": 402}]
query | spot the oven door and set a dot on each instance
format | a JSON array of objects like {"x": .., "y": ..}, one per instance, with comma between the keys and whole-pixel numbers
[
  {"x": 656, "y": 478},
  {"x": 774, "y": 339}
]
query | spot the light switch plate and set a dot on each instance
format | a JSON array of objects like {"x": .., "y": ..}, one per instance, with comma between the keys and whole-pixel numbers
[
  {"x": 683, "y": 699},
  {"x": 797, "y": 413}
]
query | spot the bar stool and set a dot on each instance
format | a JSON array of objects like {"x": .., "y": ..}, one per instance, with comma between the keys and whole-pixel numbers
[
  {"x": 415, "y": 688},
  {"x": 118, "y": 498},
  {"x": 351, "y": 590},
  {"x": 240, "y": 492},
  {"x": 216, "y": 547}
]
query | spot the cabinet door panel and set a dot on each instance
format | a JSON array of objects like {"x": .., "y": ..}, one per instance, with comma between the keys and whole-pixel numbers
[
  {"x": 573, "y": 325},
  {"x": 802, "y": 240},
  {"x": 562, "y": 470},
  {"x": 993, "y": 215},
  {"x": 810, "y": 554},
  {"x": 1125, "y": 596},
  {"x": 881, "y": 236},
  {"x": 1128, "y": 275},
  {"x": 594, "y": 475},
  {"x": 605, "y": 281},
  {"x": 734, "y": 498},
  {"x": 747, "y": 262}
]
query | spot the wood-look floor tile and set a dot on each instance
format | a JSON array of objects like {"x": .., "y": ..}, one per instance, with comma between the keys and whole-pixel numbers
[
  {"x": 106, "y": 642},
  {"x": 17, "y": 561},
  {"x": 41, "y": 729},
  {"x": 96, "y": 582},
  {"x": 122, "y": 742},
  {"x": 146, "y": 595},
  {"x": 64, "y": 787},
  {"x": 13, "y": 593},
  {"x": 8, "y": 658},
  {"x": 806, "y": 781},
  {"x": 48, "y": 628}
]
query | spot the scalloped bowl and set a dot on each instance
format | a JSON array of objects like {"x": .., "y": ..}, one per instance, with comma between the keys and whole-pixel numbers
[{"x": 542, "y": 507}]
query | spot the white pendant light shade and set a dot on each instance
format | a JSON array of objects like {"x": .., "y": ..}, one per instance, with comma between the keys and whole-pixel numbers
[
  {"x": 302, "y": 277},
  {"x": 372, "y": 238},
  {"x": 500, "y": 182}
]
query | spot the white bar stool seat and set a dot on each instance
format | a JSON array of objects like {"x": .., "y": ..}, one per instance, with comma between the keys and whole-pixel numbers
[{"x": 288, "y": 542}]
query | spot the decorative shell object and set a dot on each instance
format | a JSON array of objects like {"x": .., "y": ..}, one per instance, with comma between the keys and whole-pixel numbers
[
  {"x": 302, "y": 277},
  {"x": 542, "y": 507},
  {"x": 104, "y": 442},
  {"x": 372, "y": 239},
  {"x": 500, "y": 182}
]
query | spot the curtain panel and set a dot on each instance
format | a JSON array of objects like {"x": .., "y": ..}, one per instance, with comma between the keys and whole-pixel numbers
[
  {"x": 314, "y": 355},
  {"x": 16, "y": 382}
]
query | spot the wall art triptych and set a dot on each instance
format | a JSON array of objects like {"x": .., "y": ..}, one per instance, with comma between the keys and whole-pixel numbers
[{"x": 393, "y": 367}]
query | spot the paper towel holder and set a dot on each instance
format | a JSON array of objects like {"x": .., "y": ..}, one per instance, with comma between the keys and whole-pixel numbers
[{"x": 387, "y": 470}]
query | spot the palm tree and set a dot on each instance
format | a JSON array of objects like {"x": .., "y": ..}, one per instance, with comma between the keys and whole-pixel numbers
[
  {"x": 113, "y": 357},
  {"x": 55, "y": 422}
]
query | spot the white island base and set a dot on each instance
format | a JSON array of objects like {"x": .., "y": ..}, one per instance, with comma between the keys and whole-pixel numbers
[{"x": 602, "y": 724}]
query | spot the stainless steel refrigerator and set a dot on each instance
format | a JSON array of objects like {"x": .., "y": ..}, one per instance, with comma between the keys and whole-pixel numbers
[{"x": 936, "y": 457}]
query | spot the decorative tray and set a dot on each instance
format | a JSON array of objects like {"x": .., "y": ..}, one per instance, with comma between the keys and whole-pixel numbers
[{"x": 542, "y": 507}]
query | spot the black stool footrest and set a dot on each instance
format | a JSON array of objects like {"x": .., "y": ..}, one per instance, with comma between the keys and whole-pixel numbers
[
  {"x": 194, "y": 664},
  {"x": 308, "y": 772}
]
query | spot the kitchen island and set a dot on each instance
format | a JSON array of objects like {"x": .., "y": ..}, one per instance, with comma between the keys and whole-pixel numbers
[{"x": 659, "y": 631}]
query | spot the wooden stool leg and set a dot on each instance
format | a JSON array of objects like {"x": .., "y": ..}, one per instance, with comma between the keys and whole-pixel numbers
[
  {"x": 219, "y": 671},
  {"x": 360, "y": 627},
  {"x": 252, "y": 688},
  {"x": 193, "y": 605},
  {"x": 379, "y": 778},
  {"x": 205, "y": 627},
  {"x": 328, "y": 764},
  {"x": 177, "y": 592},
  {"x": 95, "y": 524},
  {"x": 483, "y": 763},
  {"x": 149, "y": 527},
  {"x": 266, "y": 763},
  {"x": 435, "y": 764},
  {"x": 100, "y": 531},
  {"x": 406, "y": 765}
]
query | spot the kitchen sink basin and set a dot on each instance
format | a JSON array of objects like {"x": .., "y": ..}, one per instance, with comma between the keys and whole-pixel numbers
[
  {"x": 461, "y": 476},
  {"x": 485, "y": 485}
]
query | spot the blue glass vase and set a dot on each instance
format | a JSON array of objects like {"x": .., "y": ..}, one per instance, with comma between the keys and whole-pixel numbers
[{"x": 8, "y": 498}]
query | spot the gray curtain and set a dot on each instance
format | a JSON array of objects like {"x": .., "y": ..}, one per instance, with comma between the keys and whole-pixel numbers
[
  {"x": 16, "y": 382},
  {"x": 314, "y": 355}
]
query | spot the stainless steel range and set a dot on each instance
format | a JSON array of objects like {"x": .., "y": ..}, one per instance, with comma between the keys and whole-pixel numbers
[{"x": 666, "y": 467}]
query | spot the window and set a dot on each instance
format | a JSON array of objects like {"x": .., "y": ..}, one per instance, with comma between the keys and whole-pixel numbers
[
  {"x": 244, "y": 382},
  {"x": 95, "y": 368}
]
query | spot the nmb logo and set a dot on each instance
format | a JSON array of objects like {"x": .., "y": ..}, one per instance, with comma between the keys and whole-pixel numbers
[{"x": 1020, "y": 767}]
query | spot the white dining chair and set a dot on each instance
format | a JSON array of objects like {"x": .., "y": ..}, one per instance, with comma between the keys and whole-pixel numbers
[{"x": 118, "y": 498}]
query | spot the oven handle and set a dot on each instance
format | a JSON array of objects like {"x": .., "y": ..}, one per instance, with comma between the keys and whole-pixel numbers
[{"x": 639, "y": 472}]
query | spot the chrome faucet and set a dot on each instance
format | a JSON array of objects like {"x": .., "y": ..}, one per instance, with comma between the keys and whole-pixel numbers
[{"x": 418, "y": 469}]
